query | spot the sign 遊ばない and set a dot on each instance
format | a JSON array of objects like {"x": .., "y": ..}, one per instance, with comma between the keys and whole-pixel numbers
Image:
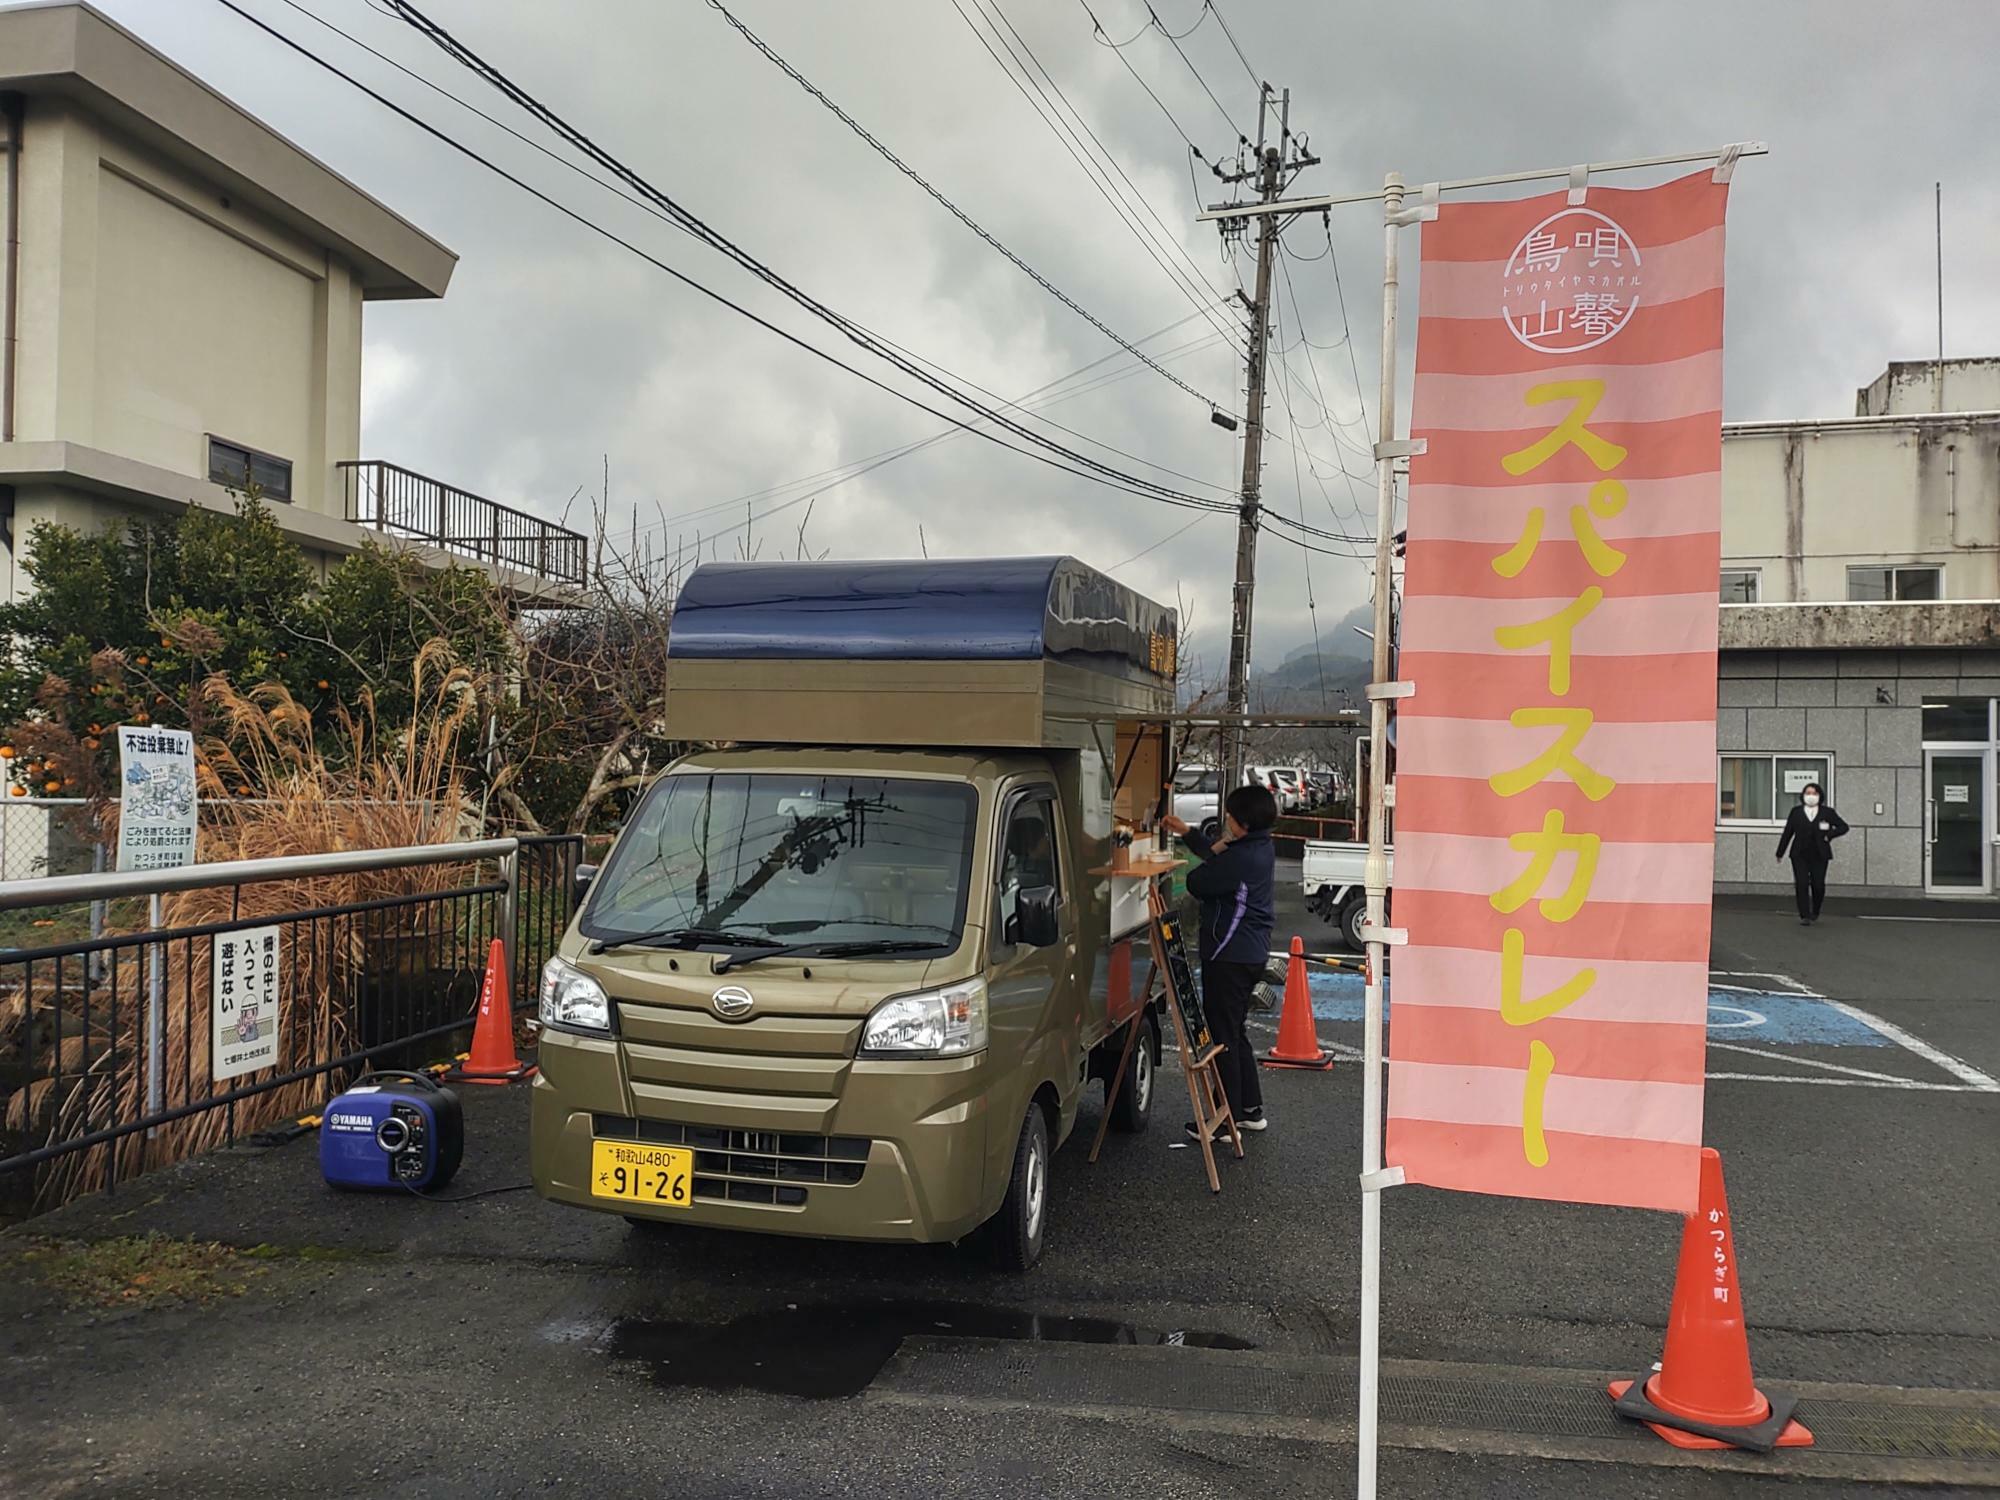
[{"x": 244, "y": 971}]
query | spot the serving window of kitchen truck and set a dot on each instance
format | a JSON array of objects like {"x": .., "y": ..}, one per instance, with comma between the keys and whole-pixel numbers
[{"x": 860, "y": 954}]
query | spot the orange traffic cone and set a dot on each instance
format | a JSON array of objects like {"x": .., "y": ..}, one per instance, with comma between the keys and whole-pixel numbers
[
  {"x": 1703, "y": 1395},
  {"x": 493, "y": 1057},
  {"x": 1298, "y": 1041}
]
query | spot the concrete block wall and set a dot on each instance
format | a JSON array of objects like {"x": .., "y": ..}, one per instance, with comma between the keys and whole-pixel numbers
[{"x": 1865, "y": 710}]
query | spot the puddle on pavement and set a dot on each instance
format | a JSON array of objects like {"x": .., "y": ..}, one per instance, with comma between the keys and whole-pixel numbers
[{"x": 827, "y": 1351}]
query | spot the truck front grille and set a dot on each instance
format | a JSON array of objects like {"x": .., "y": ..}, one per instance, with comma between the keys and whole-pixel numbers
[{"x": 750, "y": 1166}]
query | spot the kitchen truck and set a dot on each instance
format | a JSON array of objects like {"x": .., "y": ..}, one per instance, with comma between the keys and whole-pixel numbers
[{"x": 850, "y": 966}]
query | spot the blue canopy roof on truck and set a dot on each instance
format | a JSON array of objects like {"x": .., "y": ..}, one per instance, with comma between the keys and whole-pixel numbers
[
  {"x": 974, "y": 609},
  {"x": 1007, "y": 651}
]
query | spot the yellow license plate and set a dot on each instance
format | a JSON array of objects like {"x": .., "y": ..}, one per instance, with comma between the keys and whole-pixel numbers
[{"x": 662, "y": 1176}]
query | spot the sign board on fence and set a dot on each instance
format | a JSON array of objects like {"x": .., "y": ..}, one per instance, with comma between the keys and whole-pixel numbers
[
  {"x": 157, "y": 805},
  {"x": 1555, "y": 836},
  {"x": 244, "y": 968}
]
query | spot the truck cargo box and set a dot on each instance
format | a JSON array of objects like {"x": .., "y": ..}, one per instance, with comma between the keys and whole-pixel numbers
[{"x": 1024, "y": 652}]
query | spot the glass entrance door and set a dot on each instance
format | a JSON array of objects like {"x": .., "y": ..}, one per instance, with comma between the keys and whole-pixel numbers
[{"x": 1956, "y": 858}]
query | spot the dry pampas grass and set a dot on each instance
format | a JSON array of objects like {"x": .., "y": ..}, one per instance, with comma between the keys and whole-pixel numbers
[{"x": 367, "y": 792}]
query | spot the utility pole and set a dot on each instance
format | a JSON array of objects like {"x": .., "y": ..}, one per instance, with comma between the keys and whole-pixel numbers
[{"x": 1272, "y": 171}]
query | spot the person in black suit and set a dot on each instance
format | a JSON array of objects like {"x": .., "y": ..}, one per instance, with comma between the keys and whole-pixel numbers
[{"x": 1810, "y": 830}]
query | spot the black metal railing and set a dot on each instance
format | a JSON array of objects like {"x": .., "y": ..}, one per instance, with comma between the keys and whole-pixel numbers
[
  {"x": 544, "y": 901},
  {"x": 408, "y": 504},
  {"x": 108, "y": 1044}
]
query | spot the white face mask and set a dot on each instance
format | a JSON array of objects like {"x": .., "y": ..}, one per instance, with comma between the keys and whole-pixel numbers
[{"x": 1811, "y": 803}]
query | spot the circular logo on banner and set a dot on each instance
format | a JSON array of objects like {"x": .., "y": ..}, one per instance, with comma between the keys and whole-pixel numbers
[{"x": 1572, "y": 283}]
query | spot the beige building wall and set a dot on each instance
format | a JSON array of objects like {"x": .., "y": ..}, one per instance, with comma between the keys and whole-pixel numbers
[
  {"x": 155, "y": 312},
  {"x": 1803, "y": 502}
]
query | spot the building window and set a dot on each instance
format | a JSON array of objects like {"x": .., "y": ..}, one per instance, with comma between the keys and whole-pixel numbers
[
  {"x": 1764, "y": 788},
  {"x": 238, "y": 467},
  {"x": 1924, "y": 581},
  {"x": 1742, "y": 585},
  {"x": 1958, "y": 721}
]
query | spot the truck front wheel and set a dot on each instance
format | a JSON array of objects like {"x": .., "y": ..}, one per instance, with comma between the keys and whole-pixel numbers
[{"x": 1024, "y": 1214}]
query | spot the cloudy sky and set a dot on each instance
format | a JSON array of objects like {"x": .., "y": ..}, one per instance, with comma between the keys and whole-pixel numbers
[{"x": 556, "y": 352}]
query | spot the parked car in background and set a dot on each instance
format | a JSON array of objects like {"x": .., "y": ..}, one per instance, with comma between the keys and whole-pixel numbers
[
  {"x": 1198, "y": 798},
  {"x": 1268, "y": 776},
  {"x": 1293, "y": 794}
]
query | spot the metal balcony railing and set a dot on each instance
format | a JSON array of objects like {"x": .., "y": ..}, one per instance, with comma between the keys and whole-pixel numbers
[{"x": 407, "y": 504}]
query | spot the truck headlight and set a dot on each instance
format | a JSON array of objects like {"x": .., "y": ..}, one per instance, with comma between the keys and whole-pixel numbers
[
  {"x": 950, "y": 1022},
  {"x": 572, "y": 1000}
]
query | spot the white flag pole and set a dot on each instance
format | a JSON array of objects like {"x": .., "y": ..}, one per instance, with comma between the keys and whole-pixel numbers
[{"x": 1376, "y": 871}]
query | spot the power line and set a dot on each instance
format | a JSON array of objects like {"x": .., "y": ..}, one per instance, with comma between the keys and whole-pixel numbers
[
  {"x": 1299, "y": 496},
  {"x": 657, "y": 213},
  {"x": 1143, "y": 488},
  {"x": 1066, "y": 135},
  {"x": 1286, "y": 376},
  {"x": 840, "y": 474},
  {"x": 1346, "y": 329},
  {"x": 1177, "y": 532},
  {"x": 1223, "y": 21},
  {"x": 1241, "y": 138},
  {"x": 1334, "y": 424},
  {"x": 956, "y": 212},
  {"x": 855, "y": 332},
  {"x": 1097, "y": 32}
]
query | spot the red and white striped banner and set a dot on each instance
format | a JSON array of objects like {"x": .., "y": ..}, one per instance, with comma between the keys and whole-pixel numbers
[{"x": 1555, "y": 789}]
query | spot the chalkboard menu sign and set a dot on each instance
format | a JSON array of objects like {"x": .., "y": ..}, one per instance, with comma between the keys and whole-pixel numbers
[{"x": 1180, "y": 977}]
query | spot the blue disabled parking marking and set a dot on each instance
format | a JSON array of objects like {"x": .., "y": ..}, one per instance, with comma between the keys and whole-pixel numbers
[{"x": 1769, "y": 1017}]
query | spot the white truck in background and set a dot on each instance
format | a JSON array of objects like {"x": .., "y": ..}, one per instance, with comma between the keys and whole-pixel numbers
[{"x": 1332, "y": 873}]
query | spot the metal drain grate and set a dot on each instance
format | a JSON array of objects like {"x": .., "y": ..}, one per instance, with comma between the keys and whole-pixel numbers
[
  {"x": 1885, "y": 1431},
  {"x": 1574, "y": 1411},
  {"x": 1552, "y": 1404}
]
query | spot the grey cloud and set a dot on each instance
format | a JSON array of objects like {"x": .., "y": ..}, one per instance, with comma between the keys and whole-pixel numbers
[{"x": 553, "y": 349}]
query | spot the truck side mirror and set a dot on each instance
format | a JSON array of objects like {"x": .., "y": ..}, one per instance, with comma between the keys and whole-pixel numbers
[
  {"x": 584, "y": 875},
  {"x": 1035, "y": 922}
]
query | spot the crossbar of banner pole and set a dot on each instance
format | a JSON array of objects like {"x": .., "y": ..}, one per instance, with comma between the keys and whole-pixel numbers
[{"x": 1374, "y": 195}]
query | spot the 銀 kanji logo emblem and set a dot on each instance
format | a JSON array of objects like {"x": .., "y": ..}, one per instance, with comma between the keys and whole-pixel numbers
[{"x": 1572, "y": 283}]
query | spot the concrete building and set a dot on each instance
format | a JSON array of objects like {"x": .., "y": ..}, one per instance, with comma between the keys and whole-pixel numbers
[
  {"x": 1860, "y": 634},
  {"x": 181, "y": 312}
]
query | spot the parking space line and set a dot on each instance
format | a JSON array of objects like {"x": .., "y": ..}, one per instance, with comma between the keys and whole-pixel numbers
[
  {"x": 1792, "y": 986},
  {"x": 1808, "y": 1062},
  {"x": 1957, "y": 1067},
  {"x": 1849, "y": 1083},
  {"x": 1885, "y": 917}
]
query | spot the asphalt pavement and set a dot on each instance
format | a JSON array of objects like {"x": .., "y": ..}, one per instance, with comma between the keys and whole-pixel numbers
[{"x": 501, "y": 1345}]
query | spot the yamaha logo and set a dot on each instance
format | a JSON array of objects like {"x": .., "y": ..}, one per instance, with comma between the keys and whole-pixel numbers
[{"x": 732, "y": 1002}]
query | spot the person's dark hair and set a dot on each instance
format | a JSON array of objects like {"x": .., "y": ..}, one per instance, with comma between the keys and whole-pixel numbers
[
  {"x": 1252, "y": 806},
  {"x": 1813, "y": 786}
]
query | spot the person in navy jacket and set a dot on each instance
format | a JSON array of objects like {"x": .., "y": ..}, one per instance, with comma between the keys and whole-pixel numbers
[
  {"x": 1810, "y": 830},
  {"x": 1234, "y": 883}
]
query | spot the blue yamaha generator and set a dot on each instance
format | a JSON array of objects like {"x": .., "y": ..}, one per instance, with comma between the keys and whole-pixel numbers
[{"x": 392, "y": 1130}]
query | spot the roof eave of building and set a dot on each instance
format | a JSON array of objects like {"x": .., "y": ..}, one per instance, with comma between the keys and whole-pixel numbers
[
  {"x": 67, "y": 48},
  {"x": 1859, "y": 424},
  {"x": 1879, "y": 625}
]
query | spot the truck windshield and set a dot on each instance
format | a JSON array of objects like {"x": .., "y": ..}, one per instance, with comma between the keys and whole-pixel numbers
[{"x": 806, "y": 861}]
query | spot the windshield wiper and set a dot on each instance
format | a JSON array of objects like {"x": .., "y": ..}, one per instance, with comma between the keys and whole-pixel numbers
[
  {"x": 685, "y": 937},
  {"x": 853, "y": 949}
]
